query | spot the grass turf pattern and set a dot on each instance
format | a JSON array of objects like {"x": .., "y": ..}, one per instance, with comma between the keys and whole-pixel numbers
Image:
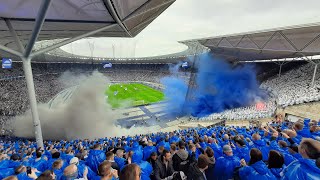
[{"x": 133, "y": 94}]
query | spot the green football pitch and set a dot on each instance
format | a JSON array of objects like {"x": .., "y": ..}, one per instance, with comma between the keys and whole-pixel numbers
[{"x": 133, "y": 94}]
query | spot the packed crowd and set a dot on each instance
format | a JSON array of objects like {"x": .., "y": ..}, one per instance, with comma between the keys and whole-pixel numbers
[
  {"x": 14, "y": 95},
  {"x": 249, "y": 112},
  {"x": 294, "y": 87},
  {"x": 279, "y": 150},
  {"x": 148, "y": 76}
]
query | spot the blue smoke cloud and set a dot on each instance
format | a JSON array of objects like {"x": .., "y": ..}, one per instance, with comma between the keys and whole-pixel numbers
[
  {"x": 219, "y": 87},
  {"x": 175, "y": 92}
]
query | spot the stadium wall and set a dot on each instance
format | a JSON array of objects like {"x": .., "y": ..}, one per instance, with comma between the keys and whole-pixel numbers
[{"x": 306, "y": 110}]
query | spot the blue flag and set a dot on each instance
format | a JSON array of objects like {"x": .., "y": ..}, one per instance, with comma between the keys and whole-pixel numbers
[
  {"x": 6, "y": 63},
  {"x": 107, "y": 65},
  {"x": 184, "y": 65}
]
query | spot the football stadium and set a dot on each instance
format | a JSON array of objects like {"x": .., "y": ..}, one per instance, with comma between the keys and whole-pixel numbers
[
  {"x": 134, "y": 93},
  {"x": 159, "y": 90}
]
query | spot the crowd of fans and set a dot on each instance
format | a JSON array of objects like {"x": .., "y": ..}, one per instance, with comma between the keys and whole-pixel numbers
[
  {"x": 14, "y": 95},
  {"x": 279, "y": 150},
  {"x": 294, "y": 87},
  {"x": 246, "y": 113},
  {"x": 14, "y": 99}
]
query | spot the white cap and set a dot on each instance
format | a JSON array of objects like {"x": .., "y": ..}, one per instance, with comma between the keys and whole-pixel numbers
[{"x": 74, "y": 160}]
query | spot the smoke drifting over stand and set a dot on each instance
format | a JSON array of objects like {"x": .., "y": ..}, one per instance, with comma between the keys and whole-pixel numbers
[
  {"x": 219, "y": 87},
  {"x": 85, "y": 115}
]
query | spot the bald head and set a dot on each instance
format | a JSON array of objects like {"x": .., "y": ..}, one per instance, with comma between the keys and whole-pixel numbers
[
  {"x": 70, "y": 170},
  {"x": 256, "y": 136},
  {"x": 226, "y": 137}
]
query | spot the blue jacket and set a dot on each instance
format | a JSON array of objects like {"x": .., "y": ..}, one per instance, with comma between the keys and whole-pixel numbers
[
  {"x": 40, "y": 165},
  {"x": 277, "y": 171},
  {"x": 67, "y": 158},
  {"x": 305, "y": 132},
  {"x": 81, "y": 168},
  {"x": 203, "y": 145},
  {"x": 174, "y": 139},
  {"x": 4, "y": 164},
  {"x": 242, "y": 153},
  {"x": 225, "y": 166},
  {"x": 147, "y": 151},
  {"x": 58, "y": 173},
  {"x": 50, "y": 163},
  {"x": 11, "y": 164},
  {"x": 120, "y": 161},
  {"x": 262, "y": 146},
  {"x": 146, "y": 170},
  {"x": 166, "y": 145},
  {"x": 302, "y": 169},
  {"x": 217, "y": 150},
  {"x": 6, "y": 172},
  {"x": 296, "y": 155},
  {"x": 257, "y": 171},
  {"x": 95, "y": 158},
  {"x": 288, "y": 158},
  {"x": 137, "y": 156}
]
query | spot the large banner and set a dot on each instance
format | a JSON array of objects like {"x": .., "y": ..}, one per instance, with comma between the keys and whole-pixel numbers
[{"x": 6, "y": 63}]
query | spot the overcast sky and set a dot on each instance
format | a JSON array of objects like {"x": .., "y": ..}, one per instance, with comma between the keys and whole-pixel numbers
[{"x": 190, "y": 19}]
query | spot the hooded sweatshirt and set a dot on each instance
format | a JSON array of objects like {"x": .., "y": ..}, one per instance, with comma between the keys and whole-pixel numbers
[
  {"x": 258, "y": 170},
  {"x": 262, "y": 146},
  {"x": 180, "y": 160},
  {"x": 277, "y": 172},
  {"x": 225, "y": 166},
  {"x": 95, "y": 158},
  {"x": 302, "y": 169}
]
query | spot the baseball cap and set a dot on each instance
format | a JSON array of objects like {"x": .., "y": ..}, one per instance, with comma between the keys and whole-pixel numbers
[{"x": 74, "y": 160}]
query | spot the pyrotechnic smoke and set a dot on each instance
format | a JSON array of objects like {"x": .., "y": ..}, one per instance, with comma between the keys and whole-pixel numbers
[
  {"x": 85, "y": 115},
  {"x": 219, "y": 86}
]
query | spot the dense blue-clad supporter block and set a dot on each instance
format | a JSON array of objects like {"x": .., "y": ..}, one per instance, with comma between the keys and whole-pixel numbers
[{"x": 221, "y": 152}]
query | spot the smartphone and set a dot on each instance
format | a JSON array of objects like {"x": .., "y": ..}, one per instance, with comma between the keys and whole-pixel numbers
[{"x": 28, "y": 170}]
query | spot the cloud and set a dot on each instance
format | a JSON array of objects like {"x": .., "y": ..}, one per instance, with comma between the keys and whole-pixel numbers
[{"x": 189, "y": 19}]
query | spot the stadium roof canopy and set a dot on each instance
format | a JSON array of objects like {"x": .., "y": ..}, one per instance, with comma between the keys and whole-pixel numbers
[
  {"x": 272, "y": 44},
  {"x": 73, "y": 18},
  {"x": 61, "y": 56}
]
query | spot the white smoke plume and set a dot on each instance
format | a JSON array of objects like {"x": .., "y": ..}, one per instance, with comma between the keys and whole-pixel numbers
[{"x": 85, "y": 115}]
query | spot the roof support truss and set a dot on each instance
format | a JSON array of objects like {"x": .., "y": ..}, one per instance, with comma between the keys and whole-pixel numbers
[
  {"x": 67, "y": 41},
  {"x": 38, "y": 25}
]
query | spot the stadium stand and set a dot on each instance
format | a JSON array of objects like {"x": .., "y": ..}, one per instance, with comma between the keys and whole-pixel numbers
[
  {"x": 294, "y": 87},
  {"x": 220, "y": 152},
  {"x": 47, "y": 85},
  {"x": 245, "y": 113},
  {"x": 14, "y": 97}
]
